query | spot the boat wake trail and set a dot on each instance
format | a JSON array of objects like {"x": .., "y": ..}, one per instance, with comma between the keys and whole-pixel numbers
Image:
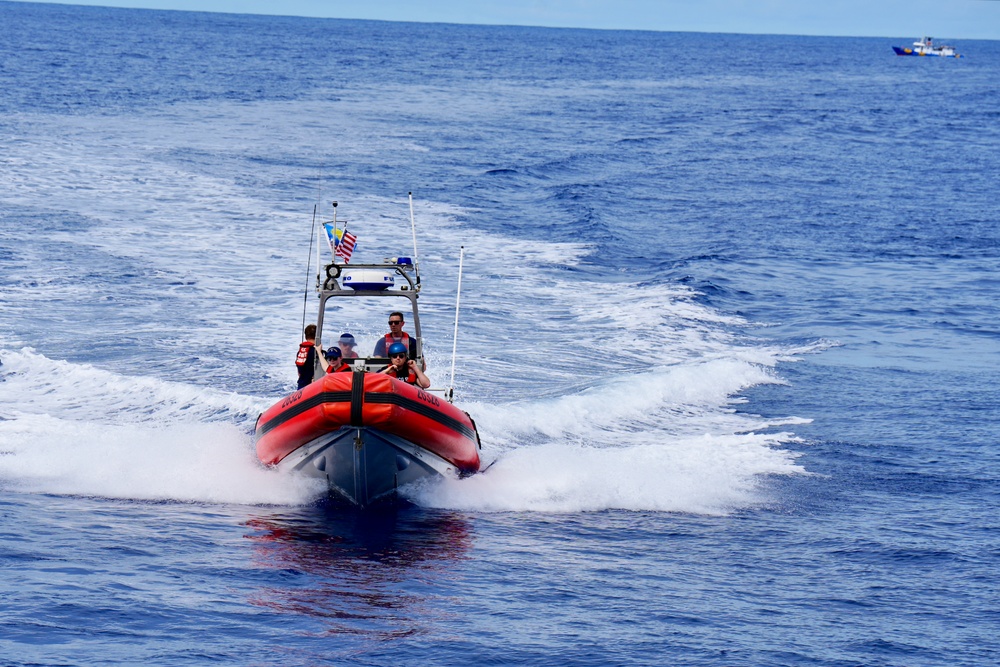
[
  {"x": 705, "y": 475},
  {"x": 593, "y": 389},
  {"x": 654, "y": 442},
  {"x": 627, "y": 396},
  {"x": 78, "y": 430}
]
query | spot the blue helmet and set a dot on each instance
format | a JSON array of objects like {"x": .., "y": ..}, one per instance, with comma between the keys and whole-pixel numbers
[
  {"x": 332, "y": 354},
  {"x": 398, "y": 348}
]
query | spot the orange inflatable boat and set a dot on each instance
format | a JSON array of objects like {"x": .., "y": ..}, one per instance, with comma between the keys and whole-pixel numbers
[{"x": 367, "y": 434}]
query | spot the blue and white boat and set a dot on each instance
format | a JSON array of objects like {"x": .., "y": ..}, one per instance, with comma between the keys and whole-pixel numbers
[{"x": 927, "y": 47}]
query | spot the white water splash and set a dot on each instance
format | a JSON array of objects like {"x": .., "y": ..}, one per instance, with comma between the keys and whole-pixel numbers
[
  {"x": 705, "y": 475},
  {"x": 589, "y": 393},
  {"x": 658, "y": 441},
  {"x": 211, "y": 463},
  {"x": 77, "y": 430}
]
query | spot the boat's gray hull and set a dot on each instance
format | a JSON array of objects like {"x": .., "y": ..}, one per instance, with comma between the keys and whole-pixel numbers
[{"x": 363, "y": 465}]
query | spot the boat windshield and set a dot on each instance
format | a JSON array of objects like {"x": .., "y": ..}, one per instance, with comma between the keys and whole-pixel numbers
[
  {"x": 365, "y": 322},
  {"x": 359, "y": 310}
]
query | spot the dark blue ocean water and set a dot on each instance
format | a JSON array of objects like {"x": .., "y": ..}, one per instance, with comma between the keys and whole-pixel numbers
[{"x": 729, "y": 329}]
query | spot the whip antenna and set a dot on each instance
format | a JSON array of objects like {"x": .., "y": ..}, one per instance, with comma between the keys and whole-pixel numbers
[
  {"x": 454, "y": 340},
  {"x": 413, "y": 227},
  {"x": 305, "y": 294}
]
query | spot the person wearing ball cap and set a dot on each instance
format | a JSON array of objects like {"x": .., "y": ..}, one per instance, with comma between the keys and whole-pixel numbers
[
  {"x": 347, "y": 345},
  {"x": 403, "y": 368},
  {"x": 332, "y": 361}
]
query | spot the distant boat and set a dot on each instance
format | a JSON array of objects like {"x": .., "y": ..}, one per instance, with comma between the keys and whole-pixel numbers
[{"x": 927, "y": 47}]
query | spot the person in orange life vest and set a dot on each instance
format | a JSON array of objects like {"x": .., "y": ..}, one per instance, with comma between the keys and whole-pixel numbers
[
  {"x": 305, "y": 360},
  {"x": 403, "y": 368},
  {"x": 332, "y": 361},
  {"x": 347, "y": 345},
  {"x": 395, "y": 335}
]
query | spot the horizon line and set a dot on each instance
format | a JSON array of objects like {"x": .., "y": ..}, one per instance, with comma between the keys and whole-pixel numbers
[{"x": 98, "y": 5}]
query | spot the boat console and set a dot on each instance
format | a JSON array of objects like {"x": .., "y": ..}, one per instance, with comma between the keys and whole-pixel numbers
[{"x": 367, "y": 364}]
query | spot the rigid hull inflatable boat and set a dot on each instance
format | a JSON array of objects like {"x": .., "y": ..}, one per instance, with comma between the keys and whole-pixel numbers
[{"x": 364, "y": 432}]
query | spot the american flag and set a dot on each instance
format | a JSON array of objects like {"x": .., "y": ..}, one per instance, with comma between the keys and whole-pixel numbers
[{"x": 345, "y": 245}]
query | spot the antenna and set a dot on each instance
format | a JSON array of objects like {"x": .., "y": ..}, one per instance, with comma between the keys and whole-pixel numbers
[
  {"x": 319, "y": 258},
  {"x": 305, "y": 294},
  {"x": 413, "y": 226},
  {"x": 454, "y": 341}
]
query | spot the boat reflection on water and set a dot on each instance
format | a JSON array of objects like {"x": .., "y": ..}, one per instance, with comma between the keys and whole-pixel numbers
[{"x": 358, "y": 572}]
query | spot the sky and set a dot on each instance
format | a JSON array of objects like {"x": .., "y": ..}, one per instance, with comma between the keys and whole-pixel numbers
[{"x": 942, "y": 19}]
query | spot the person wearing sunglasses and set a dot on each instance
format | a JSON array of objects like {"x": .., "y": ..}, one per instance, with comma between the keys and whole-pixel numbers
[
  {"x": 403, "y": 368},
  {"x": 347, "y": 345},
  {"x": 395, "y": 335},
  {"x": 332, "y": 361}
]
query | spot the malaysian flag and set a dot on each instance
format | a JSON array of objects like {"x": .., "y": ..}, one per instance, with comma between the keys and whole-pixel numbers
[{"x": 341, "y": 242}]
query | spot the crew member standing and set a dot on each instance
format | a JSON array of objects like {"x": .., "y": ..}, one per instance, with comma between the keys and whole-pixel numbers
[{"x": 306, "y": 358}]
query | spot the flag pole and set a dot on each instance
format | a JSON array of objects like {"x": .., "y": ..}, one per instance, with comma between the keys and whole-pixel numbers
[
  {"x": 454, "y": 340},
  {"x": 336, "y": 239}
]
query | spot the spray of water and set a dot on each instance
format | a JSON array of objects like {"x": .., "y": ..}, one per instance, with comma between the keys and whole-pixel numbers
[{"x": 630, "y": 431}]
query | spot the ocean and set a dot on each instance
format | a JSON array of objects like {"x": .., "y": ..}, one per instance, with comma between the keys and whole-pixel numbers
[{"x": 728, "y": 328}]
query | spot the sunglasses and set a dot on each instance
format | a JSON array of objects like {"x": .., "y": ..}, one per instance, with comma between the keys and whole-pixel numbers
[
  {"x": 398, "y": 355},
  {"x": 395, "y": 321}
]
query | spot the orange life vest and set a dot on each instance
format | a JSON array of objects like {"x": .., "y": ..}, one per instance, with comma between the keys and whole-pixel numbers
[
  {"x": 405, "y": 340},
  {"x": 303, "y": 355},
  {"x": 411, "y": 377}
]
